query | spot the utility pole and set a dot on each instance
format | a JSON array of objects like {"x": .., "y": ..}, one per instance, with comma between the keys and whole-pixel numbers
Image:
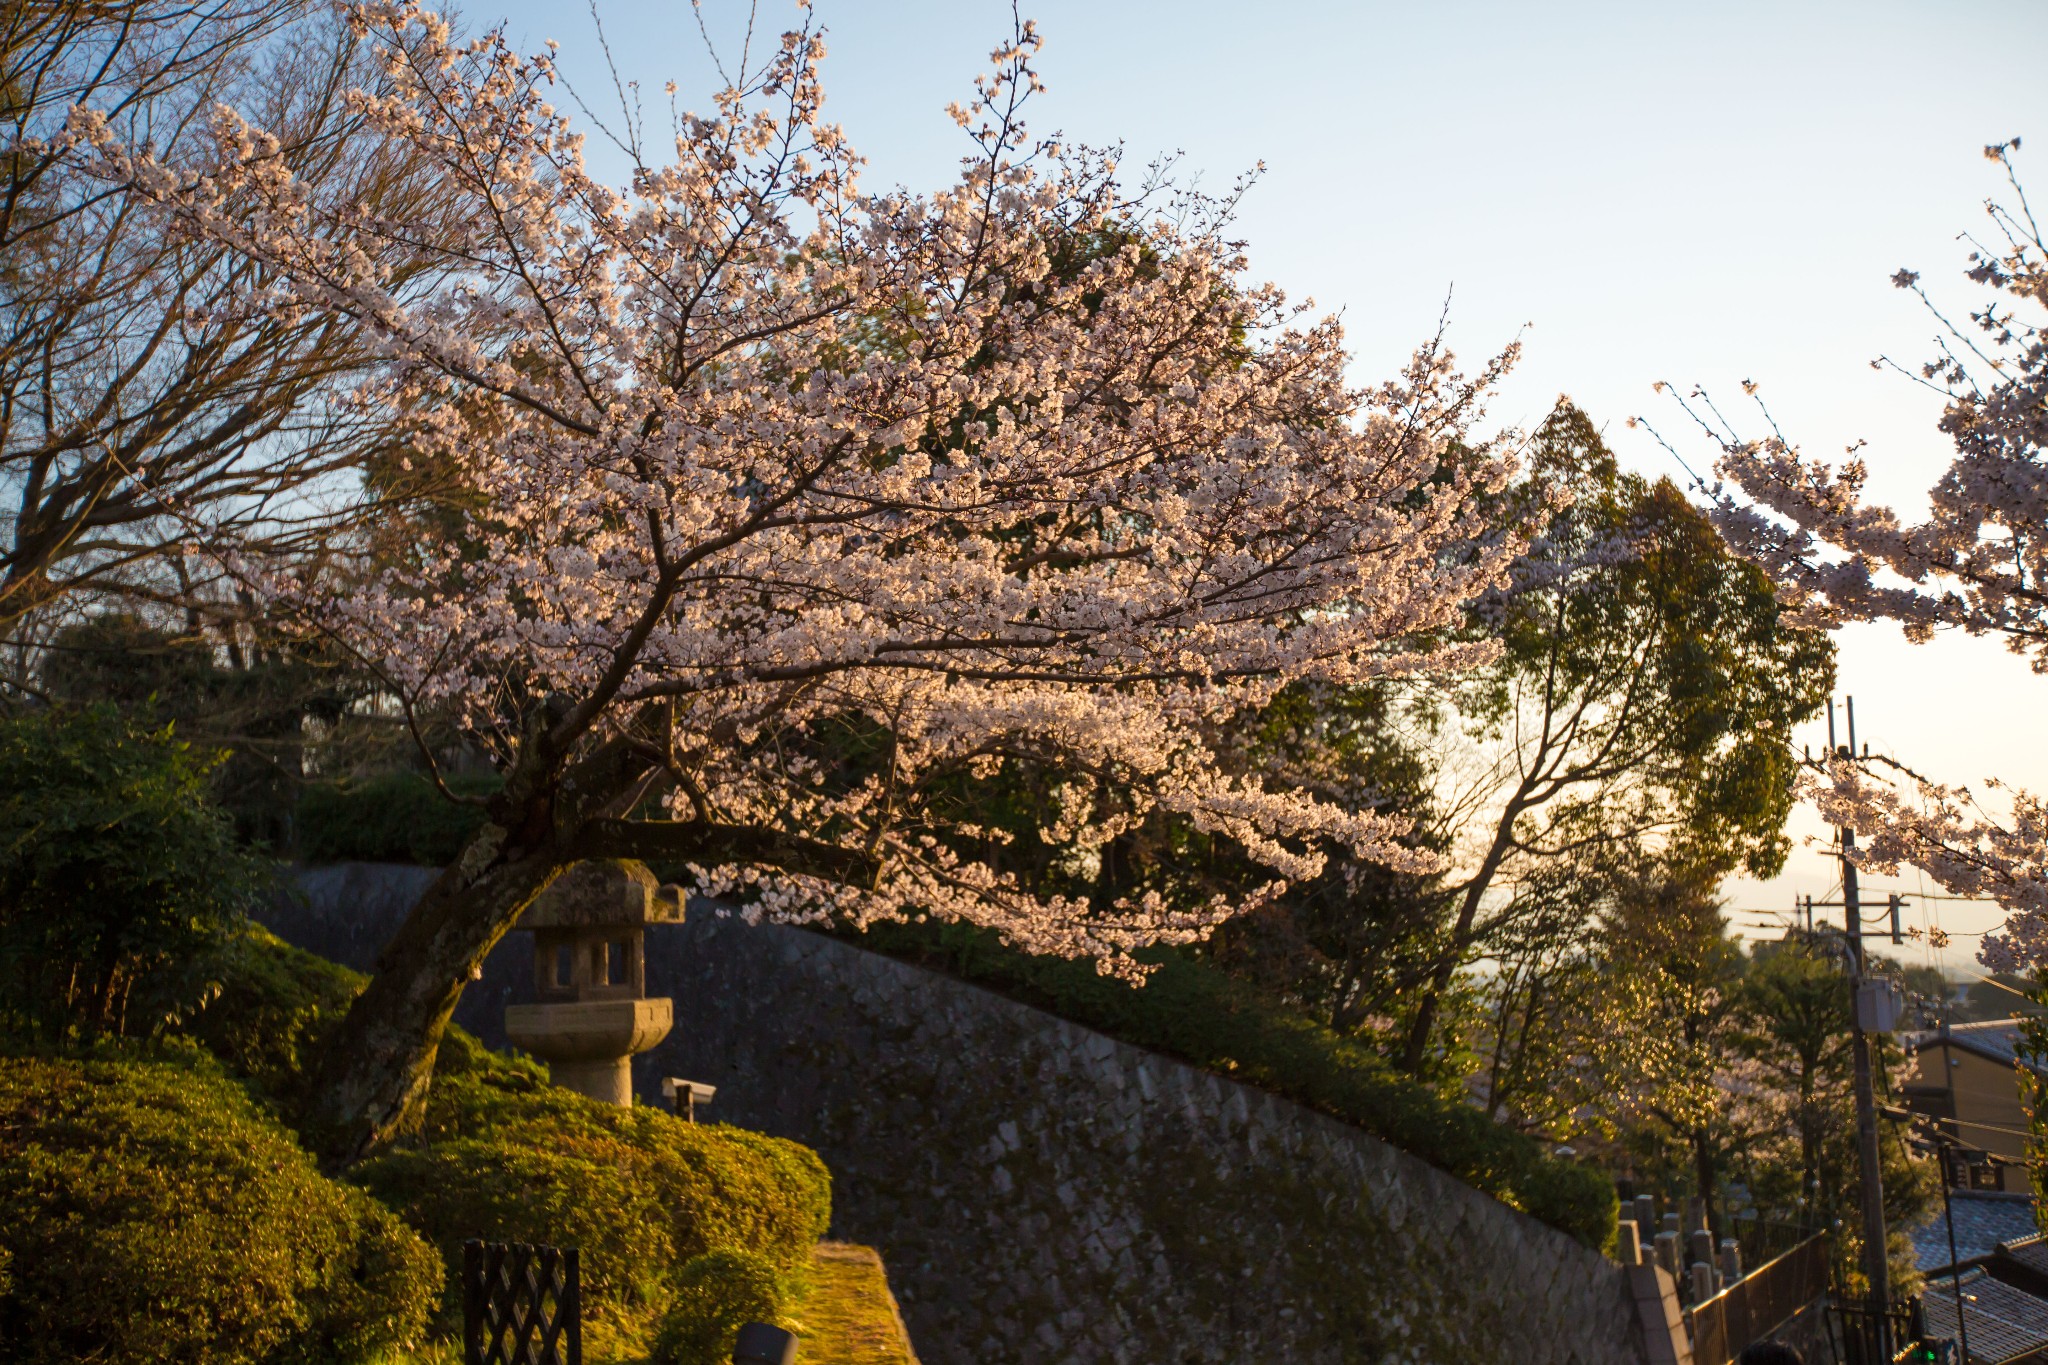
[
  {"x": 1875, "y": 1269},
  {"x": 1948, "y": 1211}
]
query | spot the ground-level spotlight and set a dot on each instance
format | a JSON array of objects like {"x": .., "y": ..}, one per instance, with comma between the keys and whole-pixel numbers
[{"x": 760, "y": 1344}]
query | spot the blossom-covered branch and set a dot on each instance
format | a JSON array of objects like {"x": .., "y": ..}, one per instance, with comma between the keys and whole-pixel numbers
[
  {"x": 787, "y": 505},
  {"x": 1976, "y": 563}
]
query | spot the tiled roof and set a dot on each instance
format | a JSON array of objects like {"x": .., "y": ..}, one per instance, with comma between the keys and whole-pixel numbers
[
  {"x": 2004, "y": 1323},
  {"x": 2031, "y": 1252},
  {"x": 1983, "y": 1220},
  {"x": 1997, "y": 1039}
]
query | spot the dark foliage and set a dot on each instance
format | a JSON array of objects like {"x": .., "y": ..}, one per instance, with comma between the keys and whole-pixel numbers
[
  {"x": 390, "y": 818},
  {"x": 508, "y": 1157},
  {"x": 118, "y": 877},
  {"x": 252, "y": 699},
  {"x": 150, "y": 1212}
]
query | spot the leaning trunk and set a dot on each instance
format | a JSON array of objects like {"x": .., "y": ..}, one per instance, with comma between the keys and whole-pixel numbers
[
  {"x": 1423, "y": 1027},
  {"x": 371, "y": 1081},
  {"x": 1416, "y": 1048}
]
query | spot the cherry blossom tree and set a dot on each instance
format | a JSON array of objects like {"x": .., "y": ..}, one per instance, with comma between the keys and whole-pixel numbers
[
  {"x": 1975, "y": 563},
  {"x": 788, "y": 505}
]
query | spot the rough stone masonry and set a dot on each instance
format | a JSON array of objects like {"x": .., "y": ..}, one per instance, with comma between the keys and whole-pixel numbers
[{"x": 1043, "y": 1194}]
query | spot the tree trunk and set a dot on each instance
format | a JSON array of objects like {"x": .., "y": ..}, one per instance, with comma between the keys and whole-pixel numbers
[
  {"x": 374, "y": 1069},
  {"x": 371, "y": 1082},
  {"x": 1349, "y": 1009},
  {"x": 1424, "y": 1025},
  {"x": 1423, "y": 1028}
]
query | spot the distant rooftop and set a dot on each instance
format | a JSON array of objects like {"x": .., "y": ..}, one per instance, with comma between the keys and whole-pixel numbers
[
  {"x": 2030, "y": 1253},
  {"x": 1984, "y": 1218},
  {"x": 1997, "y": 1039},
  {"x": 2005, "y": 1323}
]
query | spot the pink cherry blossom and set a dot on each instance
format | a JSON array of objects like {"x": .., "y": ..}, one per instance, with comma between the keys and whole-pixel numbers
[
  {"x": 1976, "y": 563},
  {"x": 1023, "y": 468}
]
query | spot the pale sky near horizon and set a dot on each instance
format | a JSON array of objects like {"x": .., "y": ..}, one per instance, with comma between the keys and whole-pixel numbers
[{"x": 1703, "y": 194}]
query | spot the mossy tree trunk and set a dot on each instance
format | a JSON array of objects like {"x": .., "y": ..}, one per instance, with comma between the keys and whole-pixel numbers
[
  {"x": 371, "y": 1081},
  {"x": 370, "y": 1084}
]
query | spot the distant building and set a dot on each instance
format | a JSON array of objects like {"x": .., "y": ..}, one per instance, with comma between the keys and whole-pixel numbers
[
  {"x": 1984, "y": 1221},
  {"x": 1968, "y": 1076},
  {"x": 1997, "y": 1289}
]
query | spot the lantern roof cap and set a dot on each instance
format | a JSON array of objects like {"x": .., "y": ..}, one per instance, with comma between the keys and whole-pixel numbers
[{"x": 604, "y": 893}]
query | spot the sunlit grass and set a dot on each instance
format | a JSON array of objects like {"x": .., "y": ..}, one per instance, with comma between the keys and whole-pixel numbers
[{"x": 846, "y": 1313}]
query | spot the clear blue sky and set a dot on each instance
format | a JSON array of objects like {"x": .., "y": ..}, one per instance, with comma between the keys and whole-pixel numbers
[{"x": 1702, "y": 193}]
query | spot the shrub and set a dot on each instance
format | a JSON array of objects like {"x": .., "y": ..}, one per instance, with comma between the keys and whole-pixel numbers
[
  {"x": 509, "y": 1157},
  {"x": 717, "y": 1186},
  {"x": 272, "y": 1005},
  {"x": 585, "y": 1194},
  {"x": 1191, "y": 1010},
  {"x": 390, "y": 818},
  {"x": 117, "y": 874},
  {"x": 716, "y": 1294},
  {"x": 149, "y": 1212},
  {"x": 779, "y": 1202}
]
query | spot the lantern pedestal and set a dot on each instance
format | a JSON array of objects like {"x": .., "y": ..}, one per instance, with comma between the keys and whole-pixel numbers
[
  {"x": 591, "y": 1014},
  {"x": 589, "y": 1046}
]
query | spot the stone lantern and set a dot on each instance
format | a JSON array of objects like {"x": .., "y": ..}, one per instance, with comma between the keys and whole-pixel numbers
[{"x": 591, "y": 1013}]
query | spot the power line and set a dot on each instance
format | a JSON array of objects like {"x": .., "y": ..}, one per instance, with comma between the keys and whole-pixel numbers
[{"x": 1981, "y": 1127}]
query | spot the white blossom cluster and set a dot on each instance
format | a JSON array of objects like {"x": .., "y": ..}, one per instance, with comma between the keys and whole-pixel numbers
[
  {"x": 1976, "y": 562},
  {"x": 1022, "y": 469}
]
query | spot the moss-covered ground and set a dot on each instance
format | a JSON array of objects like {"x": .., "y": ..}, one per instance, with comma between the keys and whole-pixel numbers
[{"x": 847, "y": 1315}]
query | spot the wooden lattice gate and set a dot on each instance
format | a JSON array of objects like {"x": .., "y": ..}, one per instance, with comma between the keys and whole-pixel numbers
[{"x": 521, "y": 1305}]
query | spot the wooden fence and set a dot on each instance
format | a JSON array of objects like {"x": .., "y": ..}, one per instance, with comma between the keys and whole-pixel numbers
[
  {"x": 1757, "y": 1304},
  {"x": 521, "y": 1305}
]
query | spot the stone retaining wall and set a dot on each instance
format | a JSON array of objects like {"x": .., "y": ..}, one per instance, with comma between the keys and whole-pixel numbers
[{"x": 1043, "y": 1194}]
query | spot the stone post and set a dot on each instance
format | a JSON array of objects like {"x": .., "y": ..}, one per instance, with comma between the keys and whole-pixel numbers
[
  {"x": 1702, "y": 1247},
  {"x": 1667, "y": 1253}
]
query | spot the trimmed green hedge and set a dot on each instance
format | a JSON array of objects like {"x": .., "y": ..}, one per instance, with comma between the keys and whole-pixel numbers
[
  {"x": 724, "y": 1186},
  {"x": 390, "y": 818},
  {"x": 717, "y": 1294},
  {"x": 1191, "y": 1010},
  {"x": 583, "y": 1194},
  {"x": 149, "y": 1212},
  {"x": 505, "y": 1155},
  {"x": 509, "y": 1157},
  {"x": 273, "y": 1004},
  {"x": 270, "y": 1008}
]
